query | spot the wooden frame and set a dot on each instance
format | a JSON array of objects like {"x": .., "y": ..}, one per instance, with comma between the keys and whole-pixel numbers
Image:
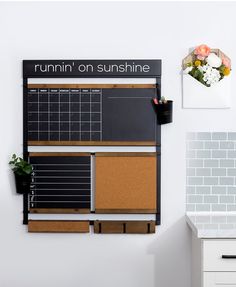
[
  {"x": 89, "y": 86},
  {"x": 66, "y": 226},
  {"x": 29, "y": 72},
  {"x": 91, "y": 143},
  {"x": 41, "y": 154},
  {"x": 142, "y": 227},
  {"x": 59, "y": 210}
]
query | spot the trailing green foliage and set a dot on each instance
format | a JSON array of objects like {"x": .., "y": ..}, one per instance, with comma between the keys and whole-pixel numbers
[
  {"x": 197, "y": 74},
  {"x": 20, "y": 166}
]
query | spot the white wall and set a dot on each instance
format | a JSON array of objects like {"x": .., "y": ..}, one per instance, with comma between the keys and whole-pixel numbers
[{"x": 106, "y": 30}]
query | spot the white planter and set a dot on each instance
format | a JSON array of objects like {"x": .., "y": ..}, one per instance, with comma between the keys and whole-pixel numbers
[{"x": 196, "y": 95}]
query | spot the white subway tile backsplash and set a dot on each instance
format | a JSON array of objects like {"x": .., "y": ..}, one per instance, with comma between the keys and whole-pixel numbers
[
  {"x": 219, "y": 190},
  {"x": 195, "y": 198},
  {"x": 232, "y": 190},
  {"x": 191, "y": 207},
  {"x": 218, "y": 154},
  {"x": 210, "y": 199},
  {"x": 226, "y": 145},
  {"x": 203, "y": 154},
  {"x": 195, "y": 163},
  {"x": 232, "y": 136},
  {"x": 191, "y": 171},
  {"x": 203, "y": 171},
  {"x": 219, "y": 136},
  {"x": 190, "y": 189},
  {"x": 211, "y": 145},
  {"x": 203, "y": 136},
  {"x": 202, "y": 189},
  {"x": 226, "y": 163},
  {"x": 195, "y": 180},
  {"x": 226, "y": 199},
  {"x": 218, "y": 171},
  {"x": 211, "y": 171},
  {"x": 231, "y": 171},
  {"x": 211, "y": 163},
  {"x": 196, "y": 145},
  {"x": 203, "y": 207},
  {"x": 211, "y": 180},
  {"x": 231, "y": 207},
  {"x": 218, "y": 207},
  {"x": 232, "y": 154},
  {"x": 226, "y": 181}
]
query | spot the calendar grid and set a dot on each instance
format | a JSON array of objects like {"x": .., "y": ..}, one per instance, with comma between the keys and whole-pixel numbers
[{"x": 64, "y": 114}]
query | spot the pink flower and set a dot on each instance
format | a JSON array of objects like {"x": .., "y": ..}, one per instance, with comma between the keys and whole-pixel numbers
[
  {"x": 201, "y": 58},
  {"x": 226, "y": 62},
  {"x": 202, "y": 51}
]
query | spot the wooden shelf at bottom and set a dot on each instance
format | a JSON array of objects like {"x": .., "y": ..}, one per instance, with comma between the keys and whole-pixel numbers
[
  {"x": 58, "y": 226},
  {"x": 139, "y": 227}
]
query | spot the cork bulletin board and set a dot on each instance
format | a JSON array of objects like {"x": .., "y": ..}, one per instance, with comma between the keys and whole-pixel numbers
[
  {"x": 125, "y": 183},
  {"x": 73, "y": 130}
]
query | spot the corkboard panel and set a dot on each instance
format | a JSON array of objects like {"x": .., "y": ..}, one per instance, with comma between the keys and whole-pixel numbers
[
  {"x": 127, "y": 182},
  {"x": 65, "y": 226}
]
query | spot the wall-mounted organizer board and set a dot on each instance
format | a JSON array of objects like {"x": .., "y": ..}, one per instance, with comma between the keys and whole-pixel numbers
[{"x": 91, "y": 135}]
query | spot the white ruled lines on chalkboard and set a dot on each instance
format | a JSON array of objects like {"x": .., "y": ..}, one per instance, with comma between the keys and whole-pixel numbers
[
  {"x": 60, "y": 182},
  {"x": 64, "y": 114}
]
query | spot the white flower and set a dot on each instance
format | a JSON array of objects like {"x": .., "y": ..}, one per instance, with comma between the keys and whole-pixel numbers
[
  {"x": 187, "y": 70},
  {"x": 200, "y": 68},
  {"x": 213, "y": 60},
  {"x": 211, "y": 75}
]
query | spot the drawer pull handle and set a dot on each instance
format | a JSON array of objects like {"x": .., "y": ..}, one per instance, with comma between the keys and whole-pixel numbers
[{"x": 228, "y": 256}]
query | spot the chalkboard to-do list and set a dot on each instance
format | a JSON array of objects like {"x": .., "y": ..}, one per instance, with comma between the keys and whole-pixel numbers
[{"x": 62, "y": 181}]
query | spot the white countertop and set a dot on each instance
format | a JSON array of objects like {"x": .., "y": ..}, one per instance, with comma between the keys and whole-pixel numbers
[{"x": 212, "y": 225}]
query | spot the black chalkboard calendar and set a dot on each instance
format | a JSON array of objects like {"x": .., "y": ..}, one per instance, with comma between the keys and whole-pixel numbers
[
  {"x": 84, "y": 114},
  {"x": 64, "y": 114},
  {"x": 89, "y": 114}
]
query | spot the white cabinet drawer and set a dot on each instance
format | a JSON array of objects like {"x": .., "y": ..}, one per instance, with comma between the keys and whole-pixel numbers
[
  {"x": 219, "y": 279},
  {"x": 213, "y": 253}
]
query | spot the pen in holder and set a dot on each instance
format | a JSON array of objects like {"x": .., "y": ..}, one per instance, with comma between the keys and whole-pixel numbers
[{"x": 164, "y": 110}]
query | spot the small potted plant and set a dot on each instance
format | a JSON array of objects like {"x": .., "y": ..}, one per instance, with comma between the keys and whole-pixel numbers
[
  {"x": 164, "y": 109},
  {"x": 22, "y": 172}
]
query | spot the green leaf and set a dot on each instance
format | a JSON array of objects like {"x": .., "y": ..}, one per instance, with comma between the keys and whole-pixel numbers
[{"x": 20, "y": 166}]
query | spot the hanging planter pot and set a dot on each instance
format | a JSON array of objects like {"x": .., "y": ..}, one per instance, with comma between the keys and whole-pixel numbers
[
  {"x": 164, "y": 111},
  {"x": 22, "y": 173},
  {"x": 22, "y": 183}
]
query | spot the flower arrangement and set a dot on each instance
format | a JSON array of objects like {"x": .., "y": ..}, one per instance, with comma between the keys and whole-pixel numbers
[{"x": 207, "y": 65}]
